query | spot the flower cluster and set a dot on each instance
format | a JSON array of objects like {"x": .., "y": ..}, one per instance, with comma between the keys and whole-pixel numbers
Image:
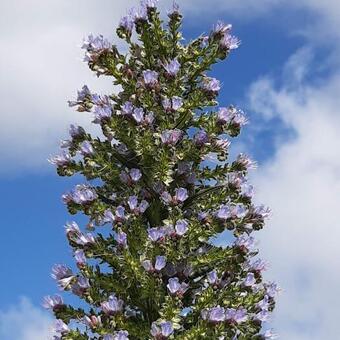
[{"x": 160, "y": 188}]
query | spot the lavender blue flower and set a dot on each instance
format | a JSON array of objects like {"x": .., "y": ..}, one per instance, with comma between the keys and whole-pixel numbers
[
  {"x": 221, "y": 27},
  {"x": 127, "y": 108},
  {"x": 272, "y": 289},
  {"x": 121, "y": 239},
  {"x": 224, "y": 212},
  {"x": 181, "y": 227},
  {"x": 61, "y": 160},
  {"x": 147, "y": 265},
  {"x": 138, "y": 115},
  {"x": 171, "y": 137},
  {"x": 81, "y": 286},
  {"x": 61, "y": 327},
  {"x": 127, "y": 23},
  {"x": 149, "y": 3},
  {"x": 92, "y": 321},
  {"x": 177, "y": 103},
  {"x": 201, "y": 138},
  {"x": 173, "y": 67},
  {"x": 211, "y": 85},
  {"x": 245, "y": 242},
  {"x": 101, "y": 113},
  {"x": 135, "y": 175},
  {"x": 250, "y": 280},
  {"x": 217, "y": 314},
  {"x": 63, "y": 275},
  {"x": 236, "y": 315},
  {"x": 52, "y": 302},
  {"x": 263, "y": 315},
  {"x": 269, "y": 335},
  {"x": 212, "y": 277},
  {"x": 86, "y": 148},
  {"x": 245, "y": 162},
  {"x": 75, "y": 131},
  {"x": 83, "y": 194},
  {"x": 80, "y": 257},
  {"x": 121, "y": 335},
  {"x": 150, "y": 77},
  {"x": 156, "y": 234},
  {"x": 161, "y": 330},
  {"x": 176, "y": 288},
  {"x": 264, "y": 303},
  {"x": 160, "y": 263},
  {"x": 259, "y": 265},
  {"x": 181, "y": 195},
  {"x": 112, "y": 306},
  {"x": 229, "y": 42}
]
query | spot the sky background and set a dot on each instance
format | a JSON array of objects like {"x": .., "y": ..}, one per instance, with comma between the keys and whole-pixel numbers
[{"x": 286, "y": 76}]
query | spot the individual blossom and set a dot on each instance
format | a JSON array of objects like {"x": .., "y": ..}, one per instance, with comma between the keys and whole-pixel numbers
[
  {"x": 149, "y": 3},
  {"x": 81, "y": 286},
  {"x": 86, "y": 148},
  {"x": 262, "y": 211},
  {"x": 61, "y": 327},
  {"x": 211, "y": 85},
  {"x": 173, "y": 67},
  {"x": 176, "y": 288},
  {"x": 268, "y": 335},
  {"x": 72, "y": 229},
  {"x": 61, "y": 160},
  {"x": 132, "y": 177},
  {"x": 127, "y": 23},
  {"x": 181, "y": 195},
  {"x": 239, "y": 211},
  {"x": 231, "y": 115},
  {"x": 172, "y": 104},
  {"x": 181, "y": 227},
  {"x": 84, "y": 239},
  {"x": 258, "y": 266},
  {"x": 150, "y": 78},
  {"x": 138, "y": 14},
  {"x": 76, "y": 131},
  {"x": 245, "y": 242},
  {"x": 236, "y": 315},
  {"x": 92, "y": 321},
  {"x": 135, "y": 207},
  {"x": 264, "y": 303},
  {"x": 117, "y": 217},
  {"x": 229, "y": 42},
  {"x": 121, "y": 239},
  {"x": 244, "y": 162},
  {"x": 250, "y": 280},
  {"x": 224, "y": 212},
  {"x": 221, "y": 28},
  {"x": 83, "y": 194},
  {"x": 102, "y": 113},
  {"x": 121, "y": 335},
  {"x": 63, "y": 275},
  {"x": 171, "y": 137},
  {"x": 112, "y": 306},
  {"x": 263, "y": 315},
  {"x": 127, "y": 108},
  {"x": 214, "y": 315},
  {"x": 272, "y": 289},
  {"x": 141, "y": 118},
  {"x": 53, "y": 302},
  {"x": 161, "y": 330},
  {"x": 160, "y": 263},
  {"x": 84, "y": 95},
  {"x": 156, "y": 234},
  {"x": 201, "y": 138},
  {"x": 94, "y": 46},
  {"x": 212, "y": 277},
  {"x": 80, "y": 258}
]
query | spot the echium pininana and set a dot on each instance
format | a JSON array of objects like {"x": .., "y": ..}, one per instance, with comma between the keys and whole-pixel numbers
[{"x": 146, "y": 265}]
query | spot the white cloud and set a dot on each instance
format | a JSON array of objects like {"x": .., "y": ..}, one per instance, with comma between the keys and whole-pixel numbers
[
  {"x": 25, "y": 322},
  {"x": 301, "y": 183}
]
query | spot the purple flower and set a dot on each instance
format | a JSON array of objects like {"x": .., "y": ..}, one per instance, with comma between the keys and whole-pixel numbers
[
  {"x": 52, "y": 302},
  {"x": 171, "y": 137},
  {"x": 133, "y": 202},
  {"x": 239, "y": 211},
  {"x": 138, "y": 115},
  {"x": 211, "y": 85},
  {"x": 95, "y": 44},
  {"x": 245, "y": 162},
  {"x": 156, "y": 234},
  {"x": 121, "y": 335},
  {"x": 259, "y": 265},
  {"x": 201, "y": 138},
  {"x": 264, "y": 303},
  {"x": 61, "y": 160},
  {"x": 166, "y": 197},
  {"x": 61, "y": 327},
  {"x": 247, "y": 190},
  {"x": 268, "y": 335},
  {"x": 177, "y": 103},
  {"x": 162, "y": 330},
  {"x": 127, "y": 108},
  {"x": 83, "y": 194},
  {"x": 224, "y": 115},
  {"x": 149, "y": 3},
  {"x": 101, "y": 113},
  {"x": 176, "y": 288},
  {"x": 221, "y": 27},
  {"x": 173, "y": 67},
  {"x": 150, "y": 77},
  {"x": 127, "y": 23},
  {"x": 262, "y": 316},
  {"x": 181, "y": 194},
  {"x": 86, "y": 148},
  {"x": 224, "y": 212},
  {"x": 245, "y": 242},
  {"x": 85, "y": 240},
  {"x": 80, "y": 257},
  {"x": 217, "y": 314},
  {"x": 135, "y": 175},
  {"x": 250, "y": 280},
  {"x": 134, "y": 207},
  {"x": 75, "y": 131},
  {"x": 229, "y": 41},
  {"x": 63, "y": 275},
  {"x": 72, "y": 229},
  {"x": 212, "y": 277},
  {"x": 93, "y": 321},
  {"x": 81, "y": 286},
  {"x": 160, "y": 263},
  {"x": 236, "y": 315},
  {"x": 121, "y": 239},
  {"x": 181, "y": 227},
  {"x": 262, "y": 211},
  {"x": 272, "y": 289},
  {"x": 167, "y": 105},
  {"x": 112, "y": 306},
  {"x": 138, "y": 14},
  {"x": 147, "y": 265}
]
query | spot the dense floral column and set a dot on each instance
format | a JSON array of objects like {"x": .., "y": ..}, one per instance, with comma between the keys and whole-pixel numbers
[{"x": 158, "y": 188}]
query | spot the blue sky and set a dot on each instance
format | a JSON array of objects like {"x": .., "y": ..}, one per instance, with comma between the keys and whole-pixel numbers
[{"x": 286, "y": 77}]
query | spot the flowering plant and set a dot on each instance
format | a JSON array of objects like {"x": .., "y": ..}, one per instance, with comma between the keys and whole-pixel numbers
[{"x": 147, "y": 266}]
